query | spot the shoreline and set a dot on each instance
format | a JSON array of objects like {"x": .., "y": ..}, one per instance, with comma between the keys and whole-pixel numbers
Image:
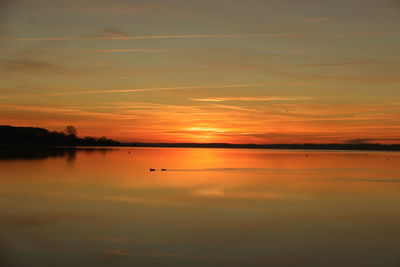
[
  {"x": 360, "y": 147},
  {"x": 322, "y": 147}
]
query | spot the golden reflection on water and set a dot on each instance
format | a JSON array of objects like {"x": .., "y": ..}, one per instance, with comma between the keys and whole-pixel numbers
[{"x": 212, "y": 207}]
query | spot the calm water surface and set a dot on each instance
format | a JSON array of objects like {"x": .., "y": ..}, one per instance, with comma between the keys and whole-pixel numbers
[{"x": 212, "y": 207}]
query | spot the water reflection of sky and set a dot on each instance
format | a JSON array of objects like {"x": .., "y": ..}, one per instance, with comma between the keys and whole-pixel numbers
[{"x": 212, "y": 207}]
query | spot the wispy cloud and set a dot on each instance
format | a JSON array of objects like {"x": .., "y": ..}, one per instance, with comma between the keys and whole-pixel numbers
[
  {"x": 114, "y": 8},
  {"x": 318, "y": 19},
  {"x": 372, "y": 140},
  {"x": 236, "y": 108},
  {"x": 344, "y": 63},
  {"x": 30, "y": 65},
  {"x": 153, "y": 89},
  {"x": 133, "y": 50},
  {"x": 367, "y": 180},
  {"x": 66, "y": 111},
  {"x": 199, "y": 36},
  {"x": 307, "y": 76},
  {"x": 253, "y": 98},
  {"x": 113, "y": 32}
]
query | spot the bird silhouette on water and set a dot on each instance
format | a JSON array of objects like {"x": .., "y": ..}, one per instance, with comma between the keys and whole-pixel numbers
[{"x": 153, "y": 170}]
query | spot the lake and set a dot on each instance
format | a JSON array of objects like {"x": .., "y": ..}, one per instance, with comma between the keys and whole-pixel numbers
[{"x": 211, "y": 207}]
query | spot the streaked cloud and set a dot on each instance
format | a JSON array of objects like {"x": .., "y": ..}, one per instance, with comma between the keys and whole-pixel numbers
[
  {"x": 113, "y": 32},
  {"x": 366, "y": 62},
  {"x": 253, "y": 98},
  {"x": 133, "y": 50},
  {"x": 317, "y": 19},
  {"x": 152, "y": 89},
  {"x": 204, "y": 129},
  {"x": 199, "y": 36},
  {"x": 373, "y": 140},
  {"x": 65, "y": 111},
  {"x": 31, "y": 65},
  {"x": 366, "y": 180},
  {"x": 120, "y": 9}
]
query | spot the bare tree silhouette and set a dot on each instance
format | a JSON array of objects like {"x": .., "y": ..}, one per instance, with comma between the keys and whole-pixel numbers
[{"x": 71, "y": 130}]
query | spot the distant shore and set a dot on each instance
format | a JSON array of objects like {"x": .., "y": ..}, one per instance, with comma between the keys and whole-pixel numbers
[
  {"x": 344, "y": 146},
  {"x": 354, "y": 147}
]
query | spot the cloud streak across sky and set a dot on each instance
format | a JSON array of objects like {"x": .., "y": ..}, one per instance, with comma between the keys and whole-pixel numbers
[
  {"x": 199, "y": 36},
  {"x": 254, "y": 98},
  {"x": 151, "y": 89}
]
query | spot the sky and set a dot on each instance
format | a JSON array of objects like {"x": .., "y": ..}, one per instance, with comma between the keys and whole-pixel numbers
[{"x": 235, "y": 71}]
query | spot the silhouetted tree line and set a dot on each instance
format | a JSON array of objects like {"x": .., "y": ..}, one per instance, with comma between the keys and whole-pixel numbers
[{"x": 31, "y": 136}]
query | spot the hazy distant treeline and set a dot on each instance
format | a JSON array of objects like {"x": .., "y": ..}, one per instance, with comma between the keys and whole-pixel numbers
[
  {"x": 32, "y": 136},
  {"x": 343, "y": 146}
]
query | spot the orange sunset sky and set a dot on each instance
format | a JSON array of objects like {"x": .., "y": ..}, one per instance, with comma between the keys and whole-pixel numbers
[{"x": 204, "y": 70}]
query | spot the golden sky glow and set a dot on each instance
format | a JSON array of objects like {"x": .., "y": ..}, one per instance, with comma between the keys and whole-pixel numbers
[{"x": 254, "y": 71}]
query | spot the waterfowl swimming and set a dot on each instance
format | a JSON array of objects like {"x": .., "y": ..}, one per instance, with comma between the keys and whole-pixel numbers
[
  {"x": 163, "y": 169},
  {"x": 152, "y": 170}
]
